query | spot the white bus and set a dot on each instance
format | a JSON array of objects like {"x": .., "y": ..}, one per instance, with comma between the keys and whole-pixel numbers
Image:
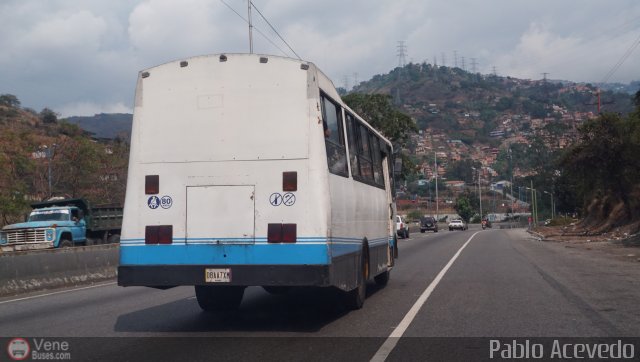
[{"x": 249, "y": 170}]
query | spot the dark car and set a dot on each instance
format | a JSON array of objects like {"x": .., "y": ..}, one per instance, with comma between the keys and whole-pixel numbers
[{"x": 428, "y": 223}]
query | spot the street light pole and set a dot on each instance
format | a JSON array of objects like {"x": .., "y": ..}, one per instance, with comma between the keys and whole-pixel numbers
[
  {"x": 49, "y": 152},
  {"x": 480, "y": 193},
  {"x": 553, "y": 216},
  {"x": 435, "y": 164}
]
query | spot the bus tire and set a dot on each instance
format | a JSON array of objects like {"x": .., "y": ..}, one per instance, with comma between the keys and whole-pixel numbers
[
  {"x": 354, "y": 299},
  {"x": 66, "y": 243},
  {"x": 383, "y": 278},
  {"x": 216, "y": 298}
]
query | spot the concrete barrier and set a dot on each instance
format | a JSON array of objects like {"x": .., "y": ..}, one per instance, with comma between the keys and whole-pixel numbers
[{"x": 25, "y": 271}]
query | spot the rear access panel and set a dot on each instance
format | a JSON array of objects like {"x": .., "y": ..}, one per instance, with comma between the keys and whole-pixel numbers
[{"x": 220, "y": 214}]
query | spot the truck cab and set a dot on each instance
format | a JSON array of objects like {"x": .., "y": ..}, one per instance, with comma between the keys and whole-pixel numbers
[
  {"x": 49, "y": 227},
  {"x": 63, "y": 223}
]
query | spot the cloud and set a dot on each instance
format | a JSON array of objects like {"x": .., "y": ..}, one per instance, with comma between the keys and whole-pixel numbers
[
  {"x": 169, "y": 30},
  {"x": 91, "y": 108},
  {"x": 84, "y": 55}
]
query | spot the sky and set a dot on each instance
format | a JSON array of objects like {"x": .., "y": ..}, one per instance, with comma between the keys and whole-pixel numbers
[{"x": 82, "y": 57}]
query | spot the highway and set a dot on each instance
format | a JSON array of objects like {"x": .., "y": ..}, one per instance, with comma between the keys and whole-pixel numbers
[{"x": 491, "y": 283}]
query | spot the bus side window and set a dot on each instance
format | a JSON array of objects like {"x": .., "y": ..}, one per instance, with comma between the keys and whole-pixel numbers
[
  {"x": 364, "y": 150},
  {"x": 334, "y": 137},
  {"x": 353, "y": 148},
  {"x": 376, "y": 160}
]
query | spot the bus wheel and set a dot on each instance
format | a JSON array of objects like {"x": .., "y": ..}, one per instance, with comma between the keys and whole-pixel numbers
[
  {"x": 276, "y": 290},
  {"x": 383, "y": 279},
  {"x": 215, "y": 298},
  {"x": 354, "y": 299}
]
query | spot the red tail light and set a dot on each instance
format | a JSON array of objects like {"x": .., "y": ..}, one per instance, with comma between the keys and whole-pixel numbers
[
  {"x": 282, "y": 233},
  {"x": 152, "y": 184},
  {"x": 290, "y": 181},
  {"x": 274, "y": 233},
  {"x": 161, "y": 234},
  {"x": 289, "y": 233}
]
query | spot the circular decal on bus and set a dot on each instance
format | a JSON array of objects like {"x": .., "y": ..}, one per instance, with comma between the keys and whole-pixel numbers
[
  {"x": 153, "y": 202},
  {"x": 166, "y": 202},
  {"x": 275, "y": 199},
  {"x": 288, "y": 199}
]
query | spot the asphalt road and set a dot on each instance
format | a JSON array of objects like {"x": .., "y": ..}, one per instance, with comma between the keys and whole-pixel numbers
[{"x": 504, "y": 283}]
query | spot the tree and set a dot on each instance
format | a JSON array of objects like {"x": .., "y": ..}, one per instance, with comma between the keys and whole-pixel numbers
[
  {"x": 604, "y": 164},
  {"x": 9, "y": 100},
  {"x": 48, "y": 116},
  {"x": 462, "y": 170},
  {"x": 378, "y": 110},
  {"x": 463, "y": 207}
]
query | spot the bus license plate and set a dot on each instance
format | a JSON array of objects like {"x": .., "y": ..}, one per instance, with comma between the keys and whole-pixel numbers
[{"x": 217, "y": 275}]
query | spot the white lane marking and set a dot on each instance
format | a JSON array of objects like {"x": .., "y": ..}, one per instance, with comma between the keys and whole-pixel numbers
[
  {"x": 391, "y": 341},
  {"x": 60, "y": 292}
]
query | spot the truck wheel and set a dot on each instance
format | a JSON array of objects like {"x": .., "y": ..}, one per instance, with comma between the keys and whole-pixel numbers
[
  {"x": 217, "y": 298},
  {"x": 115, "y": 238},
  {"x": 66, "y": 243}
]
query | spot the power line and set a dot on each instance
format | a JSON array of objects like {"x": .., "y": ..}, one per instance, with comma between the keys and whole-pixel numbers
[
  {"x": 275, "y": 31},
  {"x": 626, "y": 55},
  {"x": 256, "y": 29}
]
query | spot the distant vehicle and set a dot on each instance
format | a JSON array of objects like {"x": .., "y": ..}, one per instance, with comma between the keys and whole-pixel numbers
[
  {"x": 402, "y": 228},
  {"x": 428, "y": 223},
  {"x": 486, "y": 224},
  {"x": 64, "y": 223},
  {"x": 457, "y": 224}
]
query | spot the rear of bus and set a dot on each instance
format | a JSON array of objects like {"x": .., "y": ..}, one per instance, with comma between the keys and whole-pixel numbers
[{"x": 221, "y": 193}]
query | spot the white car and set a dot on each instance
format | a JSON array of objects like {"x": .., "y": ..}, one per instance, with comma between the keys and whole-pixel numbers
[
  {"x": 402, "y": 228},
  {"x": 457, "y": 224}
]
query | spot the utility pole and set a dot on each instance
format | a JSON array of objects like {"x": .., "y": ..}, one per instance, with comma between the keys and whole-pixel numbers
[
  {"x": 533, "y": 205},
  {"x": 463, "y": 65},
  {"x": 480, "y": 193},
  {"x": 544, "y": 85},
  {"x": 250, "y": 27},
  {"x": 473, "y": 65},
  {"x": 402, "y": 53},
  {"x": 435, "y": 163},
  {"x": 444, "y": 60},
  {"x": 355, "y": 79},
  {"x": 455, "y": 58},
  {"x": 495, "y": 72}
]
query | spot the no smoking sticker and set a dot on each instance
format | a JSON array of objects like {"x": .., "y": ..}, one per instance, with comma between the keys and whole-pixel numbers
[{"x": 277, "y": 199}]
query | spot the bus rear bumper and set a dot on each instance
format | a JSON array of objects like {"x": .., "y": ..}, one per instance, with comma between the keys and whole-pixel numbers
[{"x": 242, "y": 275}]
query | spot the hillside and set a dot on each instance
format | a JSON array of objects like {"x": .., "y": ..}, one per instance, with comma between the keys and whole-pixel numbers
[
  {"x": 442, "y": 98},
  {"x": 41, "y": 156},
  {"x": 462, "y": 115},
  {"x": 106, "y": 126}
]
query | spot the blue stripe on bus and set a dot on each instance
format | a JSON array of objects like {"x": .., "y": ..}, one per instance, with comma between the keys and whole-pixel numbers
[
  {"x": 225, "y": 254},
  {"x": 308, "y": 250}
]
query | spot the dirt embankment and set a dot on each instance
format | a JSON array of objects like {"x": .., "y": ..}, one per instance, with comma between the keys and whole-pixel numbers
[{"x": 620, "y": 243}]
